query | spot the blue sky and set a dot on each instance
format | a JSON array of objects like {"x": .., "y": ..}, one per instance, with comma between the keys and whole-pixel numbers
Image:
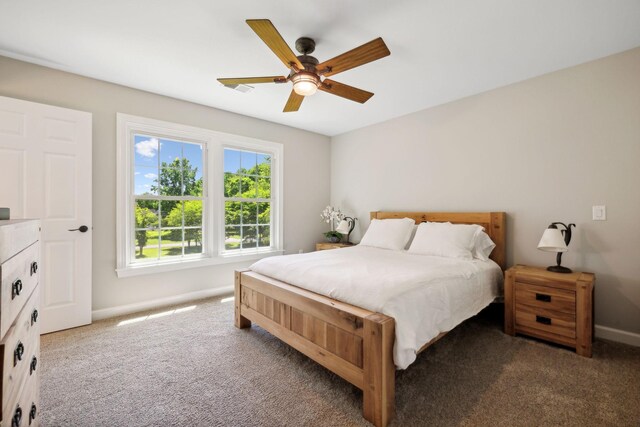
[
  {"x": 148, "y": 149},
  {"x": 235, "y": 159}
]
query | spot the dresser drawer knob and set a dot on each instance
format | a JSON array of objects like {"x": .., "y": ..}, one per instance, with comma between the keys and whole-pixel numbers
[
  {"x": 34, "y": 267},
  {"x": 543, "y": 297},
  {"x": 34, "y": 316},
  {"x": 16, "y": 288},
  {"x": 543, "y": 320},
  {"x": 17, "y": 353},
  {"x": 17, "y": 417},
  {"x": 32, "y": 413},
  {"x": 34, "y": 363}
]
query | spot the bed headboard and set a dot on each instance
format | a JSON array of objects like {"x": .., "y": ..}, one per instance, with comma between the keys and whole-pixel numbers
[{"x": 494, "y": 224}]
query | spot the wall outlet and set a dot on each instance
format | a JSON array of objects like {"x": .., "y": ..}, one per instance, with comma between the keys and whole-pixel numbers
[{"x": 599, "y": 213}]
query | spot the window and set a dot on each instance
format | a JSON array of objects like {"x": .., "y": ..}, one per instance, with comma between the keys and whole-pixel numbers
[
  {"x": 247, "y": 200},
  {"x": 189, "y": 197},
  {"x": 169, "y": 197}
]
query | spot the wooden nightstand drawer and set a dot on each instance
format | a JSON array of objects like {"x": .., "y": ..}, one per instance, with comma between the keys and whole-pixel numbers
[
  {"x": 546, "y": 297},
  {"x": 324, "y": 246},
  {"x": 545, "y": 320}
]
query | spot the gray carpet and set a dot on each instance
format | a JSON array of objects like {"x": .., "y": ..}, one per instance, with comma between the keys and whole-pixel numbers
[{"x": 193, "y": 368}]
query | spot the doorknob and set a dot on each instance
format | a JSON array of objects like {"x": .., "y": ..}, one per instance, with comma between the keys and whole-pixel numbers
[{"x": 82, "y": 229}]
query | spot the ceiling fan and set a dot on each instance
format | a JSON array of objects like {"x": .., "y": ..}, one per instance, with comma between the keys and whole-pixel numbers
[{"x": 307, "y": 73}]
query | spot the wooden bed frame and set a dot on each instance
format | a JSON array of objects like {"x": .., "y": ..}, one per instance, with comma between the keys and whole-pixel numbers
[{"x": 354, "y": 343}]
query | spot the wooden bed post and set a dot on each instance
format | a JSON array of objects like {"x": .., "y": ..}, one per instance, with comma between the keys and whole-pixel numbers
[
  {"x": 379, "y": 371},
  {"x": 240, "y": 321}
]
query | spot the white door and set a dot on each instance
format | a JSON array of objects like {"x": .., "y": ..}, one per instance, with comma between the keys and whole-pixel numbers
[{"x": 45, "y": 173}]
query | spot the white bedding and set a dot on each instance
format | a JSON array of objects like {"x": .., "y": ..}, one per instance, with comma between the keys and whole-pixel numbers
[{"x": 426, "y": 295}]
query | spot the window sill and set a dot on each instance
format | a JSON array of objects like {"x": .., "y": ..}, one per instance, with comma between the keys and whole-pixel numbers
[{"x": 163, "y": 267}]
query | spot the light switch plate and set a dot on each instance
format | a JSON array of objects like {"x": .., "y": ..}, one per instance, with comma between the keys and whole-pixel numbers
[{"x": 599, "y": 213}]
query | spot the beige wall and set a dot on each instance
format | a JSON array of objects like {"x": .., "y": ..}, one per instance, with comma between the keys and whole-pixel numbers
[
  {"x": 542, "y": 150},
  {"x": 306, "y": 171}
]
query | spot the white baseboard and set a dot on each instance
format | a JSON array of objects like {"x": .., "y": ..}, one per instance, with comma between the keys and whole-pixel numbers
[
  {"x": 120, "y": 310},
  {"x": 618, "y": 335}
]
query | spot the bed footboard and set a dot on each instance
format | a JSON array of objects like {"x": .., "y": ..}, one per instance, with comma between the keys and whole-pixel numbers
[{"x": 352, "y": 342}]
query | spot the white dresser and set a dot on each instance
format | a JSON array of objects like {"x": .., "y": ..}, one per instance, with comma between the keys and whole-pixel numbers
[{"x": 19, "y": 326}]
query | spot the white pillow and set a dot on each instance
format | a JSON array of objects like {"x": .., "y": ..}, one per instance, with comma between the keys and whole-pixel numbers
[
  {"x": 483, "y": 246},
  {"x": 388, "y": 233},
  {"x": 445, "y": 240}
]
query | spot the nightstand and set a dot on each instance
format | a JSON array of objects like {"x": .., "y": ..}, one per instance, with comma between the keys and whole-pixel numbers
[
  {"x": 323, "y": 246},
  {"x": 551, "y": 306}
]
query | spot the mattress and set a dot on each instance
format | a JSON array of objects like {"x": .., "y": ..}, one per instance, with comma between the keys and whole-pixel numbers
[{"x": 426, "y": 295}]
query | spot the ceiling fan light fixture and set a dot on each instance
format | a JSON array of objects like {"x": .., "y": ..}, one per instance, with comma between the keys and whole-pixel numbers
[
  {"x": 305, "y": 83},
  {"x": 306, "y": 73}
]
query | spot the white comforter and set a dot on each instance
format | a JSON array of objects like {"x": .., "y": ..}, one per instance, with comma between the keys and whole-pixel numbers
[{"x": 425, "y": 295}]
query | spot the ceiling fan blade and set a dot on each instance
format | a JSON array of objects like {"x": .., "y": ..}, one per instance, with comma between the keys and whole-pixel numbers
[
  {"x": 361, "y": 55},
  {"x": 345, "y": 91},
  {"x": 293, "y": 103},
  {"x": 247, "y": 80},
  {"x": 268, "y": 33}
]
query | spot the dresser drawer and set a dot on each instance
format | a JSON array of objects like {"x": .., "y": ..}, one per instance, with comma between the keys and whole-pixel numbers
[
  {"x": 18, "y": 278},
  {"x": 16, "y": 235},
  {"x": 20, "y": 351},
  {"x": 555, "y": 323},
  {"x": 27, "y": 406},
  {"x": 559, "y": 300}
]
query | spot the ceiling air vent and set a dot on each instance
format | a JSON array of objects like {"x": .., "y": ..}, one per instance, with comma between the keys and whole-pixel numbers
[{"x": 240, "y": 88}]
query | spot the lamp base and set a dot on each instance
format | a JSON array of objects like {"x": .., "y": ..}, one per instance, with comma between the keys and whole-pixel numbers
[{"x": 559, "y": 269}]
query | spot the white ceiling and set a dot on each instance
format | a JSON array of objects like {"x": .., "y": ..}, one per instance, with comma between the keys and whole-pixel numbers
[{"x": 441, "y": 50}]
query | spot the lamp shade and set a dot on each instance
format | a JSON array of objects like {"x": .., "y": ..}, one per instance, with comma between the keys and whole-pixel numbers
[
  {"x": 552, "y": 241},
  {"x": 343, "y": 227}
]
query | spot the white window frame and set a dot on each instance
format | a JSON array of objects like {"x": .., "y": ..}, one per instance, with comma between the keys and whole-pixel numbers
[{"x": 213, "y": 144}]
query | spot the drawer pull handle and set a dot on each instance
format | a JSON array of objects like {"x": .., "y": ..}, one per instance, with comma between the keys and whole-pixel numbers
[
  {"x": 34, "y": 267},
  {"x": 17, "y": 417},
  {"x": 543, "y": 297},
  {"x": 34, "y": 363},
  {"x": 34, "y": 316},
  {"x": 16, "y": 288},
  {"x": 32, "y": 413},
  {"x": 17, "y": 353},
  {"x": 543, "y": 320}
]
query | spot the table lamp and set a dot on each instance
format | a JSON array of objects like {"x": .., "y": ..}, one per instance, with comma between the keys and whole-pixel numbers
[
  {"x": 555, "y": 240},
  {"x": 346, "y": 226}
]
